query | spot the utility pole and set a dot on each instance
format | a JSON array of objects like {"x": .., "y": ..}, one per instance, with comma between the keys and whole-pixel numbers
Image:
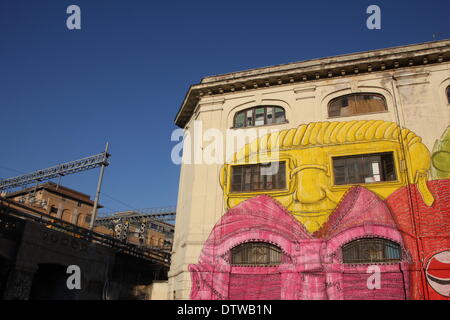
[{"x": 99, "y": 186}]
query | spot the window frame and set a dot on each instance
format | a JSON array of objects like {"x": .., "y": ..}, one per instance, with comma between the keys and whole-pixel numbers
[
  {"x": 388, "y": 243},
  {"x": 245, "y": 249},
  {"x": 395, "y": 161},
  {"x": 347, "y": 96},
  {"x": 231, "y": 191},
  {"x": 253, "y": 109}
]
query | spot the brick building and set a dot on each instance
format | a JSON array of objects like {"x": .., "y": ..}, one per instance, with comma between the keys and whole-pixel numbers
[{"x": 59, "y": 201}]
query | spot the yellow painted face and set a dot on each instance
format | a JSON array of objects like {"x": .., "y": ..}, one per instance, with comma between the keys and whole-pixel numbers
[{"x": 311, "y": 193}]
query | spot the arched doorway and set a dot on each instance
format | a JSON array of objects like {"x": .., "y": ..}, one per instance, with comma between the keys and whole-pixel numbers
[{"x": 49, "y": 283}]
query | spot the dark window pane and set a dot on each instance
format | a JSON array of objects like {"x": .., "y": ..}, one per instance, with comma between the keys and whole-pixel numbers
[
  {"x": 282, "y": 175},
  {"x": 255, "y": 178},
  {"x": 448, "y": 94},
  {"x": 387, "y": 163},
  {"x": 239, "y": 121},
  {"x": 259, "y": 116},
  {"x": 334, "y": 109},
  {"x": 236, "y": 178},
  {"x": 269, "y": 182},
  {"x": 247, "y": 178},
  {"x": 279, "y": 115},
  {"x": 269, "y": 111},
  {"x": 249, "y": 118}
]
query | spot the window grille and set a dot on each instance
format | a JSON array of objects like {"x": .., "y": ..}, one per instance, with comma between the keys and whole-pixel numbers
[
  {"x": 257, "y": 177},
  {"x": 371, "y": 250},
  {"x": 256, "y": 254},
  {"x": 364, "y": 168},
  {"x": 259, "y": 116}
]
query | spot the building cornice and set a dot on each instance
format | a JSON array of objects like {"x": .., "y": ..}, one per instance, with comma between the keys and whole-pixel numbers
[{"x": 314, "y": 70}]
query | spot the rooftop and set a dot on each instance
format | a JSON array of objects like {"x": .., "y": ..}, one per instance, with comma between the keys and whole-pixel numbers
[
  {"x": 312, "y": 70},
  {"x": 57, "y": 189}
]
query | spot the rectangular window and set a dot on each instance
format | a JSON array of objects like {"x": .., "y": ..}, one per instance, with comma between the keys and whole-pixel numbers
[
  {"x": 256, "y": 177},
  {"x": 365, "y": 168}
]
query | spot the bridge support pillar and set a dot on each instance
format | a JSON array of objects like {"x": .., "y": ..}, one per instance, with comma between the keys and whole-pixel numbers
[{"x": 18, "y": 285}]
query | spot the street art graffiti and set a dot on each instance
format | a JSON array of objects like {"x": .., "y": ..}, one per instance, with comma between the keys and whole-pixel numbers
[
  {"x": 441, "y": 157},
  {"x": 350, "y": 196},
  {"x": 311, "y": 194},
  {"x": 425, "y": 230},
  {"x": 438, "y": 273}
]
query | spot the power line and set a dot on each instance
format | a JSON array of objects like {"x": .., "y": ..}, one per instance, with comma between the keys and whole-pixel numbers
[
  {"x": 119, "y": 201},
  {"x": 11, "y": 169}
]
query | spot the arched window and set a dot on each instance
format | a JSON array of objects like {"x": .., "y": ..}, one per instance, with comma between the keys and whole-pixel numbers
[
  {"x": 259, "y": 116},
  {"x": 357, "y": 103},
  {"x": 371, "y": 250},
  {"x": 53, "y": 210},
  {"x": 256, "y": 254},
  {"x": 66, "y": 216}
]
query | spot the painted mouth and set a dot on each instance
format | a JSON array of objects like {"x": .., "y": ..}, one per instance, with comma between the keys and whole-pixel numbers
[{"x": 311, "y": 214}]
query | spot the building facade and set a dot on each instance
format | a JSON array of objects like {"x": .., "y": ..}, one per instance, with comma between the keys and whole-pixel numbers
[
  {"x": 59, "y": 201},
  {"x": 132, "y": 227},
  {"x": 75, "y": 207},
  {"x": 338, "y": 189}
]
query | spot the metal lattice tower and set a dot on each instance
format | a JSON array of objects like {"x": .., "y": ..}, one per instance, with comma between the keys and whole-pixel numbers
[{"x": 56, "y": 171}]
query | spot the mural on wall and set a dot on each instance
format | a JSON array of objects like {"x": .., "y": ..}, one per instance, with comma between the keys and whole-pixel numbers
[
  {"x": 349, "y": 214},
  {"x": 438, "y": 273},
  {"x": 441, "y": 156}
]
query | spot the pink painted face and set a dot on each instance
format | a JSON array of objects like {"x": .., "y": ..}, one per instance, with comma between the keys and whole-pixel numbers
[{"x": 306, "y": 266}]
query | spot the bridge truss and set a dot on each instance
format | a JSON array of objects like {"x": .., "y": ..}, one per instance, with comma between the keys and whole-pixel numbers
[{"x": 56, "y": 171}]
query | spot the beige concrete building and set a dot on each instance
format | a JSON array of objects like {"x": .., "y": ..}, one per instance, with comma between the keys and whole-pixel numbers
[{"x": 407, "y": 85}]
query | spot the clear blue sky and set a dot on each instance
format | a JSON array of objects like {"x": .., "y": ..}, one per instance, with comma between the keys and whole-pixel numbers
[{"x": 122, "y": 77}]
